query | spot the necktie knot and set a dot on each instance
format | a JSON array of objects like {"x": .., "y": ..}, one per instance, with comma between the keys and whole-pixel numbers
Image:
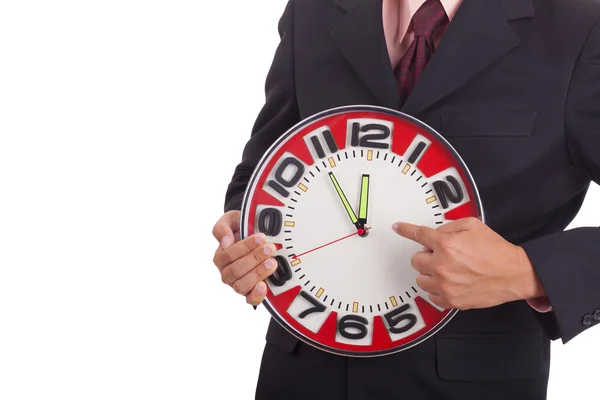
[{"x": 429, "y": 18}]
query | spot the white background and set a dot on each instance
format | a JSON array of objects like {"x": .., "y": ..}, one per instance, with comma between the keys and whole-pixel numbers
[{"x": 120, "y": 125}]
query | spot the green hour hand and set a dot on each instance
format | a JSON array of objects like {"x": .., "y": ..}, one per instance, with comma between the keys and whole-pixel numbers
[
  {"x": 364, "y": 200},
  {"x": 345, "y": 202}
]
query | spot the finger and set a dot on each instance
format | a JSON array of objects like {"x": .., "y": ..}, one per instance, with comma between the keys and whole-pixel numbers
[
  {"x": 225, "y": 228},
  {"x": 422, "y": 262},
  {"x": 257, "y": 295},
  {"x": 224, "y": 257},
  {"x": 439, "y": 301},
  {"x": 246, "y": 283},
  {"x": 427, "y": 283},
  {"x": 421, "y": 234},
  {"x": 240, "y": 267},
  {"x": 258, "y": 259}
]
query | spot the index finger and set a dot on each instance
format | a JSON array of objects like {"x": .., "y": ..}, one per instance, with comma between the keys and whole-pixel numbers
[{"x": 421, "y": 234}]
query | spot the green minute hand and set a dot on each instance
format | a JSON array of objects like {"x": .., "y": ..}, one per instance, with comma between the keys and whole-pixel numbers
[
  {"x": 345, "y": 202},
  {"x": 364, "y": 200}
]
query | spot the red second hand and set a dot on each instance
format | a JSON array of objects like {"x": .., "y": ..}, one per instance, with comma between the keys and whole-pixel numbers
[{"x": 359, "y": 232}]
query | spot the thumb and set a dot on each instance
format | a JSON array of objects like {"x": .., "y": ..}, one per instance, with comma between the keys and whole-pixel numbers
[
  {"x": 225, "y": 228},
  {"x": 454, "y": 226}
]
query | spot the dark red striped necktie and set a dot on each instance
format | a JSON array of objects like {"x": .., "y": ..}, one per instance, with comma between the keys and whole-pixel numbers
[{"x": 425, "y": 23}]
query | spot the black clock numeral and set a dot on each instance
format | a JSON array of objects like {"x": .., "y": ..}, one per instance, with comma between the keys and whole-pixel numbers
[
  {"x": 398, "y": 317},
  {"x": 353, "y": 327},
  {"x": 270, "y": 221},
  {"x": 282, "y": 274},
  {"x": 317, "y": 305},
  {"x": 278, "y": 188},
  {"x": 280, "y": 183},
  {"x": 417, "y": 152},
  {"x": 371, "y": 140},
  {"x": 318, "y": 146},
  {"x": 445, "y": 192}
]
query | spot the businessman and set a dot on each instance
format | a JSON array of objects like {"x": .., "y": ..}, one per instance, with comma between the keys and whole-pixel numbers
[{"x": 514, "y": 85}]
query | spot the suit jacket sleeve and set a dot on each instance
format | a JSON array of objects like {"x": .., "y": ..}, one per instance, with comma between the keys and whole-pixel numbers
[
  {"x": 279, "y": 113},
  {"x": 568, "y": 263}
]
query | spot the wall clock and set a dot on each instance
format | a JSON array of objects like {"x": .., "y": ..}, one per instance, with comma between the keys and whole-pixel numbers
[{"x": 327, "y": 193}]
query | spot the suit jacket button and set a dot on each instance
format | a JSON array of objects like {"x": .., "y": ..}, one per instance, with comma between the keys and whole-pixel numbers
[
  {"x": 587, "y": 320},
  {"x": 597, "y": 315}
]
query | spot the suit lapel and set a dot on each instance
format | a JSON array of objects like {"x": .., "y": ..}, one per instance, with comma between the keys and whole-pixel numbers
[
  {"x": 360, "y": 38},
  {"x": 478, "y": 35}
]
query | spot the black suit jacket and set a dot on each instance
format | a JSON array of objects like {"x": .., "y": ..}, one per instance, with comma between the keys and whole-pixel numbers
[{"x": 515, "y": 87}]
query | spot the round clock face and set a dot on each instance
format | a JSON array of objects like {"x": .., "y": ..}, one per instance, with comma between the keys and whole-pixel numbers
[{"x": 327, "y": 194}]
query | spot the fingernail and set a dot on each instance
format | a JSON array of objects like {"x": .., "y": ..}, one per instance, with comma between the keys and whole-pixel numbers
[
  {"x": 270, "y": 263},
  {"x": 395, "y": 227},
  {"x": 260, "y": 238},
  {"x": 261, "y": 288},
  {"x": 226, "y": 242},
  {"x": 270, "y": 249}
]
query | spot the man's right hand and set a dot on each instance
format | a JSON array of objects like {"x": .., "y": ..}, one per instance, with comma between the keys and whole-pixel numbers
[{"x": 244, "y": 264}]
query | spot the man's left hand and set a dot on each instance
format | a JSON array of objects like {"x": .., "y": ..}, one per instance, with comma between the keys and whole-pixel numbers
[{"x": 465, "y": 265}]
